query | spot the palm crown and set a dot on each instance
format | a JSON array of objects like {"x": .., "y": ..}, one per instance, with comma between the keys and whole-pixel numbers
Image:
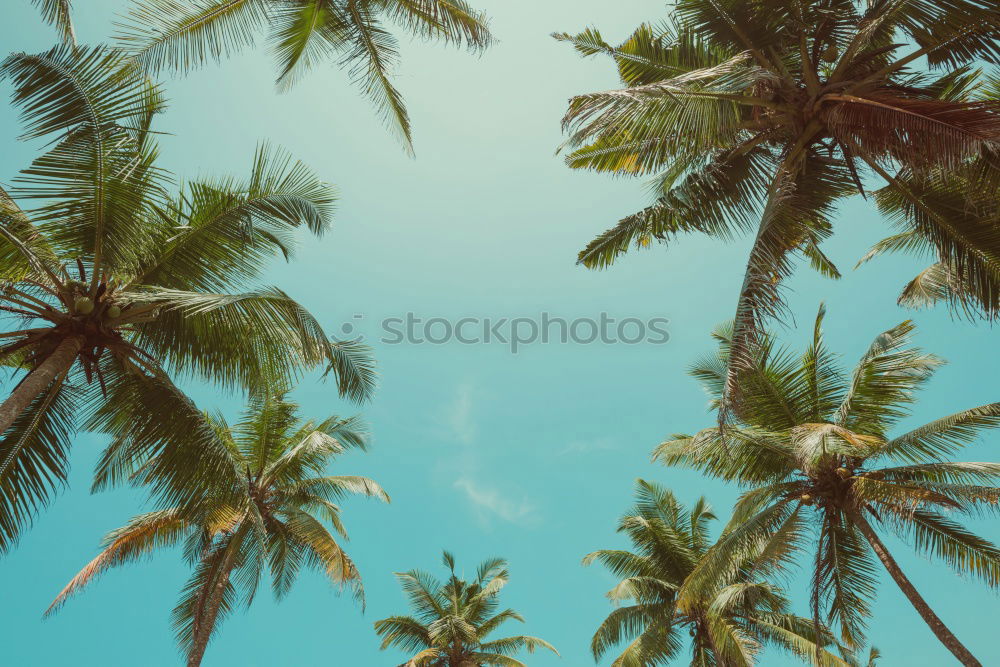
[
  {"x": 261, "y": 507},
  {"x": 182, "y": 34},
  {"x": 111, "y": 282},
  {"x": 761, "y": 115},
  {"x": 729, "y": 622},
  {"x": 453, "y": 620},
  {"x": 815, "y": 445}
]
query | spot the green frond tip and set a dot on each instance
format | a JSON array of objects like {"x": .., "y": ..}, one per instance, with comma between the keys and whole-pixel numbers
[
  {"x": 352, "y": 364},
  {"x": 60, "y": 14}
]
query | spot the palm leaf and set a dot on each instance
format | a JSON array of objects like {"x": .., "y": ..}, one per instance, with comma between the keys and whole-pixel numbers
[
  {"x": 223, "y": 232},
  {"x": 59, "y": 14},
  {"x": 374, "y": 54},
  {"x": 140, "y": 536},
  {"x": 34, "y": 458},
  {"x": 937, "y": 535},
  {"x": 206, "y": 335},
  {"x": 943, "y": 436},
  {"x": 185, "y": 34}
]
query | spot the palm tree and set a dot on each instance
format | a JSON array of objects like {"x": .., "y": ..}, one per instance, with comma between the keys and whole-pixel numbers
[
  {"x": 757, "y": 115},
  {"x": 110, "y": 282},
  {"x": 181, "y": 35},
  {"x": 262, "y": 507},
  {"x": 728, "y": 624},
  {"x": 59, "y": 14},
  {"x": 452, "y": 621},
  {"x": 968, "y": 195},
  {"x": 814, "y": 444}
]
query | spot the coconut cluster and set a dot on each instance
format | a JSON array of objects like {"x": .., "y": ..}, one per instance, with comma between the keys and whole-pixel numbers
[
  {"x": 83, "y": 304},
  {"x": 827, "y": 484}
]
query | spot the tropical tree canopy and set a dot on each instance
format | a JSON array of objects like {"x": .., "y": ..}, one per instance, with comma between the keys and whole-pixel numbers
[
  {"x": 728, "y": 623},
  {"x": 184, "y": 34},
  {"x": 259, "y": 506},
  {"x": 760, "y": 116},
  {"x": 452, "y": 621},
  {"x": 109, "y": 282},
  {"x": 816, "y": 446}
]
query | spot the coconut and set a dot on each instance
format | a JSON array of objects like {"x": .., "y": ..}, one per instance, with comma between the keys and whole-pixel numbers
[
  {"x": 831, "y": 53},
  {"x": 114, "y": 312},
  {"x": 843, "y": 473},
  {"x": 84, "y": 305},
  {"x": 806, "y": 499}
]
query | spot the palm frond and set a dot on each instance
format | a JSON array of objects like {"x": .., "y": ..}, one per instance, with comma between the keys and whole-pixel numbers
[
  {"x": 370, "y": 61},
  {"x": 60, "y": 14},
  {"x": 324, "y": 551},
  {"x": 64, "y": 89},
  {"x": 222, "y": 232},
  {"x": 34, "y": 458},
  {"x": 186, "y": 34},
  {"x": 944, "y": 436},
  {"x": 884, "y": 380},
  {"x": 453, "y": 21},
  {"x": 173, "y": 458},
  {"x": 304, "y": 34},
  {"x": 248, "y": 339},
  {"x": 936, "y": 535},
  {"x": 140, "y": 536},
  {"x": 403, "y": 632},
  {"x": 844, "y": 578},
  {"x": 714, "y": 199}
]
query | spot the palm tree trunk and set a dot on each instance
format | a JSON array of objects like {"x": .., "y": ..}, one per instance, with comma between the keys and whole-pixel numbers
[
  {"x": 58, "y": 362},
  {"x": 939, "y": 629},
  {"x": 205, "y": 623}
]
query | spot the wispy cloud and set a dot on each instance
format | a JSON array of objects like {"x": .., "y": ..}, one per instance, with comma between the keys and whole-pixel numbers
[
  {"x": 487, "y": 501},
  {"x": 497, "y": 503},
  {"x": 460, "y": 419},
  {"x": 586, "y": 446}
]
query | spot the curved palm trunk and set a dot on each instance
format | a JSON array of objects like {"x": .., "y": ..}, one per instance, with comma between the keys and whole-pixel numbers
[
  {"x": 38, "y": 379},
  {"x": 939, "y": 629},
  {"x": 205, "y": 623}
]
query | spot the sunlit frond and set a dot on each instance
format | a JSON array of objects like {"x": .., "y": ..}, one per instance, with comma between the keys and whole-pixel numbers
[{"x": 140, "y": 536}]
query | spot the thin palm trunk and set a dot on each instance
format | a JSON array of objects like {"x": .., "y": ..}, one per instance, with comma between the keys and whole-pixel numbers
[
  {"x": 57, "y": 363},
  {"x": 936, "y": 625},
  {"x": 710, "y": 644},
  {"x": 205, "y": 622}
]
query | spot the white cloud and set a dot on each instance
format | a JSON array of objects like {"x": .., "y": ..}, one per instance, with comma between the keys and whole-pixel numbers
[
  {"x": 496, "y": 502},
  {"x": 488, "y": 502}
]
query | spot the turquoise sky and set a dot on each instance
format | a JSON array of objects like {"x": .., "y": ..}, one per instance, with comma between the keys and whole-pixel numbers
[{"x": 528, "y": 456}]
